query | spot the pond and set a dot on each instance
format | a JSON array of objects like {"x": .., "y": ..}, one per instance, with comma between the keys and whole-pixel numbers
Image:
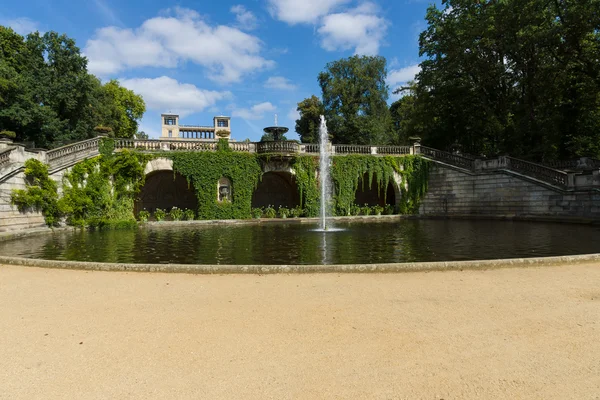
[{"x": 358, "y": 242}]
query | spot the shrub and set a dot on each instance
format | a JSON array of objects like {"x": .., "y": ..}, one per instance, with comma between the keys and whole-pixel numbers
[
  {"x": 8, "y": 134},
  {"x": 354, "y": 209},
  {"x": 296, "y": 211},
  {"x": 366, "y": 210},
  {"x": 143, "y": 215},
  {"x": 388, "y": 209},
  {"x": 189, "y": 215},
  {"x": 176, "y": 214},
  {"x": 377, "y": 209},
  {"x": 284, "y": 212},
  {"x": 270, "y": 212},
  {"x": 257, "y": 213},
  {"x": 159, "y": 214}
]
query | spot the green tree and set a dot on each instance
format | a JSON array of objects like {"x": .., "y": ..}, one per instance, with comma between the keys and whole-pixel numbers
[
  {"x": 125, "y": 109},
  {"x": 511, "y": 76},
  {"x": 355, "y": 97},
  {"x": 307, "y": 126}
]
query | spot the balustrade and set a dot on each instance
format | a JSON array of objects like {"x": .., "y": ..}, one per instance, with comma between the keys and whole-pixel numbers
[
  {"x": 444, "y": 156},
  {"x": 393, "y": 150},
  {"x": 5, "y": 157},
  {"x": 277, "y": 147},
  {"x": 351, "y": 149},
  {"x": 73, "y": 151},
  {"x": 538, "y": 171}
]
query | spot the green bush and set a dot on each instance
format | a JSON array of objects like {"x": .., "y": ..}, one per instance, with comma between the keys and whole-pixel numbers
[
  {"x": 270, "y": 212},
  {"x": 355, "y": 209},
  {"x": 159, "y": 214},
  {"x": 189, "y": 215},
  {"x": 176, "y": 214},
  {"x": 296, "y": 212},
  {"x": 8, "y": 134},
  {"x": 377, "y": 209},
  {"x": 41, "y": 193},
  {"x": 257, "y": 213},
  {"x": 143, "y": 215},
  {"x": 388, "y": 209},
  {"x": 365, "y": 210},
  {"x": 284, "y": 212}
]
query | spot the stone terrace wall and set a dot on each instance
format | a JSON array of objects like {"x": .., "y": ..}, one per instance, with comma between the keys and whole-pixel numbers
[
  {"x": 456, "y": 192},
  {"x": 10, "y": 218}
]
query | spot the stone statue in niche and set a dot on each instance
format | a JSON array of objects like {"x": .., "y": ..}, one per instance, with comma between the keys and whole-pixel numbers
[{"x": 224, "y": 190}]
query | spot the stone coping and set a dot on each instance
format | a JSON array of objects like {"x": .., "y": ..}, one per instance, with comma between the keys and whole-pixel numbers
[{"x": 307, "y": 269}]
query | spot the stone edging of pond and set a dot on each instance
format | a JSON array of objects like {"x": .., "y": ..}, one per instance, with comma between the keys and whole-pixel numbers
[{"x": 306, "y": 269}]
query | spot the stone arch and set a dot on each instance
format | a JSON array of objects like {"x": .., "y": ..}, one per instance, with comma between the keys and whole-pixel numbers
[
  {"x": 166, "y": 189},
  {"x": 390, "y": 194},
  {"x": 276, "y": 189},
  {"x": 158, "y": 164}
]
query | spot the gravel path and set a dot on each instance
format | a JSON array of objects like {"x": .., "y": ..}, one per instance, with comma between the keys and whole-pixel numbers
[{"x": 500, "y": 334}]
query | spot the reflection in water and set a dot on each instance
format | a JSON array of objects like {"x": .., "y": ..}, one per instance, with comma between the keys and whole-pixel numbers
[{"x": 293, "y": 243}]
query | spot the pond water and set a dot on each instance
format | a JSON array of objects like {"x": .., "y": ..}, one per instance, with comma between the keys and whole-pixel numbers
[{"x": 389, "y": 241}]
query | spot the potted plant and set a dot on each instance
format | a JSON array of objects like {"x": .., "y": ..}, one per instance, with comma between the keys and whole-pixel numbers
[
  {"x": 176, "y": 214},
  {"x": 377, "y": 209},
  {"x": 296, "y": 212},
  {"x": 143, "y": 215},
  {"x": 159, "y": 214},
  {"x": 222, "y": 133},
  {"x": 283, "y": 212},
  {"x": 366, "y": 210},
  {"x": 388, "y": 209},
  {"x": 354, "y": 210},
  {"x": 270, "y": 212},
  {"x": 257, "y": 213},
  {"x": 189, "y": 215}
]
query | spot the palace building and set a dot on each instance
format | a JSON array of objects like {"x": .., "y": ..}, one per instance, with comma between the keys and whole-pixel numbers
[{"x": 172, "y": 130}]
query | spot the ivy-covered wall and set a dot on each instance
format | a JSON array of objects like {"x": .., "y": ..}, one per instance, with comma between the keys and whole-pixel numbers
[{"x": 102, "y": 191}]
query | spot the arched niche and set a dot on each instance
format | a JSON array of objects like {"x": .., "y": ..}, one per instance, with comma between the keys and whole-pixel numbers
[
  {"x": 166, "y": 189},
  {"x": 276, "y": 189}
]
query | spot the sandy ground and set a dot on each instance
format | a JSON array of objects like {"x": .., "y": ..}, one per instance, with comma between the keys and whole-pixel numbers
[{"x": 503, "y": 334}]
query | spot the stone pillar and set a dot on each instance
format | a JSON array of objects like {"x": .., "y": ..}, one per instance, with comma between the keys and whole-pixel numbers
[{"x": 416, "y": 148}]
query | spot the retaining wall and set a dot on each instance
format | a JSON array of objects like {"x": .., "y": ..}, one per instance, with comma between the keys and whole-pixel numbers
[{"x": 456, "y": 192}]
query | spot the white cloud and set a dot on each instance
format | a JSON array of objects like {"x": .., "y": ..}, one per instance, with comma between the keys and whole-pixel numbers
[
  {"x": 255, "y": 112},
  {"x": 403, "y": 75},
  {"x": 167, "y": 41},
  {"x": 359, "y": 28},
  {"x": 245, "y": 19},
  {"x": 302, "y": 11},
  {"x": 166, "y": 94},
  {"x": 22, "y": 26},
  {"x": 279, "y": 82},
  {"x": 109, "y": 14},
  {"x": 293, "y": 114}
]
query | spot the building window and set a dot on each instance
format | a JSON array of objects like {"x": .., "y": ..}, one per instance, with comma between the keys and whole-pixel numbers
[
  {"x": 170, "y": 121},
  {"x": 222, "y": 123},
  {"x": 170, "y": 133}
]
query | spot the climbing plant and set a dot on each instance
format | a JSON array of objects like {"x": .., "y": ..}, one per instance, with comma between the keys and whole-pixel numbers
[
  {"x": 40, "y": 194},
  {"x": 306, "y": 179},
  {"x": 101, "y": 191},
  {"x": 204, "y": 169},
  {"x": 348, "y": 174}
]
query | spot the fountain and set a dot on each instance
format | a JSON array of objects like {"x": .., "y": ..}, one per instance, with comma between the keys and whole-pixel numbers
[
  {"x": 276, "y": 131},
  {"x": 324, "y": 166}
]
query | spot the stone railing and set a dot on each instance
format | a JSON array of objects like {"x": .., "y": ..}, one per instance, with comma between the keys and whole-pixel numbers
[
  {"x": 164, "y": 145},
  {"x": 277, "y": 147},
  {"x": 444, "y": 156},
  {"x": 5, "y": 157},
  {"x": 73, "y": 152},
  {"x": 242, "y": 146},
  {"x": 394, "y": 150},
  {"x": 312, "y": 148},
  {"x": 538, "y": 171},
  {"x": 582, "y": 164},
  {"x": 351, "y": 149}
]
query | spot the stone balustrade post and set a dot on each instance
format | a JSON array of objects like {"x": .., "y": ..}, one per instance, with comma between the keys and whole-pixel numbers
[
  {"x": 416, "y": 147},
  {"x": 571, "y": 183},
  {"x": 373, "y": 150}
]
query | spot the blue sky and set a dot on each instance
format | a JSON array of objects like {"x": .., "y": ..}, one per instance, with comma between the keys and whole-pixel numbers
[{"x": 249, "y": 59}]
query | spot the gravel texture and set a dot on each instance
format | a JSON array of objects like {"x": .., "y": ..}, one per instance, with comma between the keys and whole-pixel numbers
[{"x": 519, "y": 333}]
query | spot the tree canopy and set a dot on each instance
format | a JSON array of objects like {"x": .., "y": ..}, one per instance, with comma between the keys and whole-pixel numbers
[
  {"x": 48, "y": 97},
  {"x": 355, "y": 97},
  {"x": 307, "y": 126},
  {"x": 510, "y": 76}
]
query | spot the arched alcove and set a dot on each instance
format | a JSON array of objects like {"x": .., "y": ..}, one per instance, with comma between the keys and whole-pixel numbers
[
  {"x": 373, "y": 195},
  {"x": 276, "y": 189},
  {"x": 165, "y": 190}
]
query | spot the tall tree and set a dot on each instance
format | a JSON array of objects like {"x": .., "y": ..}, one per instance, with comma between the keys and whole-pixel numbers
[
  {"x": 511, "y": 76},
  {"x": 126, "y": 109},
  {"x": 355, "y": 97},
  {"x": 307, "y": 126}
]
